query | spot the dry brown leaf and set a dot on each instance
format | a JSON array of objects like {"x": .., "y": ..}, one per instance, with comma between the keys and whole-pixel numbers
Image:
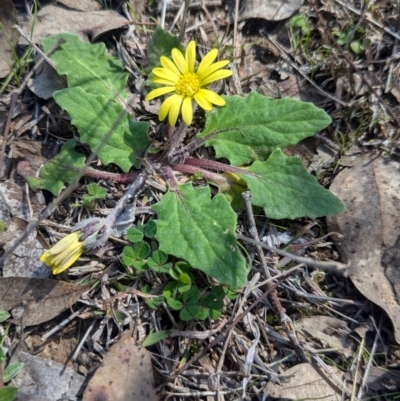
[
  {"x": 39, "y": 300},
  {"x": 46, "y": 81},
  {"x": 371, "y": 226},
  {"x": 307, "y": 383},
  {"x": 45, "y": 380},
  {"x": 8, "y": 36},
  {"x": 16, "y": 210},
  {"x": 325, "y": 330},
  {"x": 272, "y": 10},
  {"x": 126, "y": 375},
  {"x": 52, "y": 20},
  {"x": 82, "y": 5}
]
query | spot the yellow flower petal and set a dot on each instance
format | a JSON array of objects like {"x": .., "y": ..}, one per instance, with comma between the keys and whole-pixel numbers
[
  {"x": 159, "y": 92},
  {"x": 187, "y": 110},
  {"x": 187, "y": 85},
  {"x": 168, "y": 64},
  {"x": 67, "y": 263},
  {"x": 179, "y": 60},
  {"x": 202, "y": 101},
  {"x": 216, "y": 76},
  {"x": 174, "y": 110},
  {"x": 163, "y": 82},
  {"x": 212, "y": 97},
  {"x": 166, "y": 74},
  {"x": 207, "y": 61},
  {"x": 65, "y": 242},
  {"x": 165, "y": 107},
  {"x": 190, "y": 56},
  {"x": 65, "y": 253},
  {"x": 212, "y": 68}
]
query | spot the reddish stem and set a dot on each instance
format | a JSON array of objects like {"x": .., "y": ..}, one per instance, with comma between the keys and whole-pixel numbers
[
  {"x": 123, "y": 178},
  {"x": 203, "y": 163},
  {"x": 185, "y": 168}
]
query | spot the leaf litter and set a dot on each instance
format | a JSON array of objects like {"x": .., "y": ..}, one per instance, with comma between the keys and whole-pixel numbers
[{"x": 223, "y": 358}]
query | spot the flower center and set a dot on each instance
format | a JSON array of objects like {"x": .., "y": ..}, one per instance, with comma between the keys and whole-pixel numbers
[{"x": 188, "y": 85}]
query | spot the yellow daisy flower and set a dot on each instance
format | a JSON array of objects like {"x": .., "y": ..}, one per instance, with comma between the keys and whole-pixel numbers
[
  {"x": 179, "y": 76},
  {"x": 65, "y": 253}
]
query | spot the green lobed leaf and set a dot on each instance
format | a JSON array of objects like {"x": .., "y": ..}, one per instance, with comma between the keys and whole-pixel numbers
[
  {"x": 174, "y": 304},
  {"x": 142, "y": 250},
  {"x": 93, "y": 116},
  {"x": 192, "y": 296},
  {"x": 62, "y": 169},
  {"x": 150, "y": 229},
  {"x": 87, "y": 66},
  {"x": 134, "y": 235},
  {"x": 190, "y": 312},
  {"x": 256, "y": 125},
  {"x": 12, "y": 370},
  {"x": 284, "y": 188},
  {"x": 3, "y": 356},
  {"x": 4, "y": 315},
  {"x": 8, "y": 393},
  {"x": 201, "y": 231}
]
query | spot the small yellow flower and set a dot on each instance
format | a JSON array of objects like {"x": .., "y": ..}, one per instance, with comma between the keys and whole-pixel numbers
[
  {"x": 65, "y": 253},
  {"x": 180, "y": 77}
]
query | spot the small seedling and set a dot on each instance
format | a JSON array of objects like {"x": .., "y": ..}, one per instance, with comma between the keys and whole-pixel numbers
[{"x": 8, "y": 393}]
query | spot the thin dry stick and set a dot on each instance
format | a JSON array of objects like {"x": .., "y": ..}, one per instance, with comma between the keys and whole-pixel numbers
[
  {"x": 23, "y": 34},
  {"x": 247, "y": 292},
  {"x": 394, "y": 52},
  {"x": 39, "y": 63},
  {"x": 221, "y": 337},
  {"x": 330, "y": 267},
  {"x": 355, "y": 379},
  {"x": 287, "y": 57},
  {"x": 395, "y": 121},
  {"x": 371, "y": 20},
  {"x": 370, "y": 360},
  {"x": 327, "y": 369},
  {"x": 7, "y": 126},
  {"x": 235, "y": 30},
  {"x": 83, "y": 340},
  {"x": 283, "y": 317},
  {"x": 184, "y": 20}
]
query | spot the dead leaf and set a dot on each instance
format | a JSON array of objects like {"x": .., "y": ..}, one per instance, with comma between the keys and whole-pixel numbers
[
  {"x": 44, "y": 380},
  {"x": 81, "y": 5},
  {"x": 52, "y": 20},
  {"x": 307, "y": 383},
  {"x": 46, "y": 81},
  {"x": 39, "y": 300},
  {"x": 16, "y": 211},
  {"x": 126, "y": 375},
  {"x": 371, "y": 225},
  {"x": 272, "y": 10},
  {"x": 325, "y": 330},
  {"x": 8, "y": 36}
]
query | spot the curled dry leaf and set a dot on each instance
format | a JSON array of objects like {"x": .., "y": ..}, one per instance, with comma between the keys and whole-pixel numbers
[
  {"x": 273, "y": 10},
  {"x": 371, "y": 226},
  {"x": 81, "y": 5},
  {"x": 126, "y": 374},
  {"x": 307, "y": 383},
  {"x": 328, "y": 331},
  {"x": 52, "y": 20},
  {"x": 38, "y": 300},
  {"x": 44, "y": 380}
]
